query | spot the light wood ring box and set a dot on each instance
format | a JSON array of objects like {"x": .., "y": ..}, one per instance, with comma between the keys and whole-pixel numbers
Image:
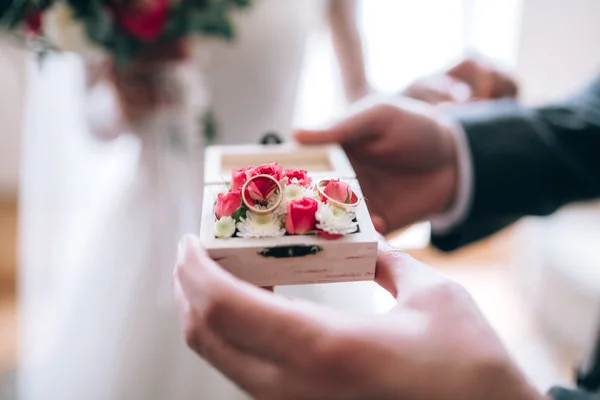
[{"x": 288, "y": 260}]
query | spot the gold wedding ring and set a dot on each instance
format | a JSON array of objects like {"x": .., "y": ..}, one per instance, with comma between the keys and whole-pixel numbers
[
  {"x": 261, "y": 211},
  {"x": 321, "y": 189}
]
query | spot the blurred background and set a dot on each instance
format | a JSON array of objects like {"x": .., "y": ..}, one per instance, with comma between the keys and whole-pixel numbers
[{"x": 538, "y": 282}]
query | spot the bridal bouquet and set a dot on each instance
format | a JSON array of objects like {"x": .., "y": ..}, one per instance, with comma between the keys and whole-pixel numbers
[
  {"x": 268, "y": 201},
  {"x": 123, "y": 28}
]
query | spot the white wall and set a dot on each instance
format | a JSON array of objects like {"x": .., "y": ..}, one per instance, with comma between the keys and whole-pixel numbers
[
  {"x": 559, "y": 51},
  {"x": 559, "y": 48},
  {"x": 12, "y": 78}
]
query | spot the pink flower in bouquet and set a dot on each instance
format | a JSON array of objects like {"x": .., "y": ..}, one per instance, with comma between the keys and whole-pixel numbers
[
  {"x": 260, "y": 190},
  {"x": 239, "y": 177},
  {"x": 272, "y": 169},
  {"x": 340, "y": 191},
  {"x": 298, "y": 174},
  {"x": 228, "y": 203},
  {"x": 300, "y": 217},
  {"x": 146, "y": 21}
]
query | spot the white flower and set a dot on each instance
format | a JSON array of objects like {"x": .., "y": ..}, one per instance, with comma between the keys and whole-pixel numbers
[
  {"x": 291, "y": 192},
  {"x": 295, "y": 191},
  {"x": 259, "y": 226},
  {"x": 225, "y": 227},
  {"x": 335, "y": 220},
  {"x": 68, "y": 34}
]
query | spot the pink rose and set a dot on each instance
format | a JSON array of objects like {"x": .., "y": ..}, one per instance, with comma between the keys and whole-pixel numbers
[
  {"x": 340, "y": 191},
  {"x": 145, "y": 22},
  {"x": 299, "y": 174},
  {"x": 228, "y": 203},
  {"x": 260, "y": 190},
  {"x": 239, "y": 177},
  {"x": 272, "y": 169},
  {"x": 301, "y": 216}
]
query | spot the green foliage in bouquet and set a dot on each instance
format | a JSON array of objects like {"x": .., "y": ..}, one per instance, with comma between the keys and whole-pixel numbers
[{"x": 108, "y": 25}]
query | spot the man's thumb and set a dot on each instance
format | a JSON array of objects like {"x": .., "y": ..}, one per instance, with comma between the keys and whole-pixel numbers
[
  {"x": 356, "y": 125},
  {"x": 318, "y": 136}
]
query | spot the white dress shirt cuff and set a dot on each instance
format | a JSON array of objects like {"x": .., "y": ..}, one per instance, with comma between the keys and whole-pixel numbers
[{"x": 444, "y": 223}]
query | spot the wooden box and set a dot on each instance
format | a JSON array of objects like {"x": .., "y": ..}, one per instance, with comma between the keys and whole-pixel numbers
[{"x": 296, "y": 259}]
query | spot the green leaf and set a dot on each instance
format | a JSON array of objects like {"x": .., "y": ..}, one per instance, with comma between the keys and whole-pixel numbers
[
  {"x": 242, "y": 3},
  {"x": 11, "y": 16},
  {"x": 239, "y": 214}
]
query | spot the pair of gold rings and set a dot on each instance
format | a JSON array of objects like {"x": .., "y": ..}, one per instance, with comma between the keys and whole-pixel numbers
[{"x": 353, "y": 201}]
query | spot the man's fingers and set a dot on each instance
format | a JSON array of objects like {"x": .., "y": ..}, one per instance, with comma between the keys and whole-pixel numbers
[
  {"x": 247, "y": 318},
  {"x": 379, "y": 224}
]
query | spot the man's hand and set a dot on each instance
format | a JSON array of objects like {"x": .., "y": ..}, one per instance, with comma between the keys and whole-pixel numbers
[
  {"x": 404, "y": 155},
  {"x": 434, "y": 344}
]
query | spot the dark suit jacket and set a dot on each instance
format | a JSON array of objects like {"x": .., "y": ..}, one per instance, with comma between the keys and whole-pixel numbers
[{"x": 529, "y": 161}]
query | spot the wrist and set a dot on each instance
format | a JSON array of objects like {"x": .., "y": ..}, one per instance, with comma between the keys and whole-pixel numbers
[
  {"x": 450, "y": 190},
  {"x": 455, "y": 199},
  {"x": 357, "y": 91}
]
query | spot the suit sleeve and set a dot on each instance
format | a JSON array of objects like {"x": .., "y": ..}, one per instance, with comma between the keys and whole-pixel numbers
[
  {"x": 527, "y": 161},
  {"x": 558, "y": 393}
]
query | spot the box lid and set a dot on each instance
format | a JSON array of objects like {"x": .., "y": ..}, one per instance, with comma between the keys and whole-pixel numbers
[{"x": 325, "y": 161}]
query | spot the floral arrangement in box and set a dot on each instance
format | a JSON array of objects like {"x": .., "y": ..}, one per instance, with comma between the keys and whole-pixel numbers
[
  {"x": 122, "y": 28},
  {"x": 269, "y": 201}
]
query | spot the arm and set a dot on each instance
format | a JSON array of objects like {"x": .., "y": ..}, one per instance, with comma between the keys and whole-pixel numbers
[
  {"x": 348, "y": 47},
  {"x": 527, "y": 161}
]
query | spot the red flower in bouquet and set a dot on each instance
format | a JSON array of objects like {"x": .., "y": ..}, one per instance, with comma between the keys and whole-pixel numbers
[
  {"x": 228, "y": 203},
  {"x": 300, "y": 175},
  {"x": 146, "y": 20},
  {"x": 33, "y": 22},
  {"x": 300, "y": 217},
  {"x": 239, "y": 177},
  {"x": 340, "y": 191},
  {"x": 272, "y": 169}
]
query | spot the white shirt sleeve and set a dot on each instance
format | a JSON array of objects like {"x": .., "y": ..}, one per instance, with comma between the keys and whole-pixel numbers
[{"x": 445, "y": 223}]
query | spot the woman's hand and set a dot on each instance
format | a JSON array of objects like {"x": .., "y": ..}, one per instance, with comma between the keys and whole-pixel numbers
[
  {"x": 139, "y": 84},
  {"x": 434, "y": 344},
  {"x": 471, "y": 79}
]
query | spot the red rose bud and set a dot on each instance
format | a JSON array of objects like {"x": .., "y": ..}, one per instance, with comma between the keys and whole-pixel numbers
[
  {"x": 300, "y": 217},
  {"x": 340, "y": 191},
  {"x": 272, "y": 169},
  {"x": 239, "y": 177},
  {"x": 145, "y": 24},
  {"x": 33, "y": 22},
  {"x": 300, "y": 175},
  {"x": 260, "y": 190},
  {"x": 228, "y": 203}
]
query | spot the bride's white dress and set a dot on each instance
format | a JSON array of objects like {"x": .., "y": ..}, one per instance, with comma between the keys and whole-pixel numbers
[{"x": 101, "y": 220}]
